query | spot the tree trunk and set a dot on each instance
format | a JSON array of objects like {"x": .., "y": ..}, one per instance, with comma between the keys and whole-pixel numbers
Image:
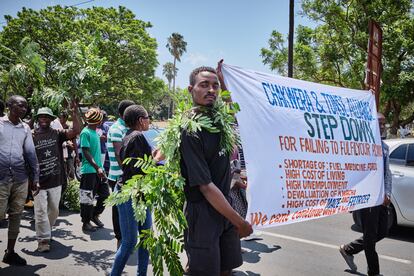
[
  {"x": 395, "y": 116},
  {"x": 387, "y": 109},
  {"x": 169, "y": 104},
  {"x": 175, "y": 60},
  {"x": 173, "y": 91}
]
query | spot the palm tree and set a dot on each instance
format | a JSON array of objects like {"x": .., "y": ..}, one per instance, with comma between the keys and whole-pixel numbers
[
  {"x": 177, "y": 46},
  {"x": 170, "y": 72}
]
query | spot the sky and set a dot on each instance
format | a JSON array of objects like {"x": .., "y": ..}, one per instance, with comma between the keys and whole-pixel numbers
[{"x": 234, "y": 30}]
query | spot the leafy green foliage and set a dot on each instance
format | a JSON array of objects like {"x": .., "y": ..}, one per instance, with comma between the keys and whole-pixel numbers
[
  {"x": 22, "y": 69},
  {"x": 170, "y": 72},
  {"x": 71, "y": 196},
  {"x": 161, "y": 189},
  {"x": 102, "y": 54},
  {"x": 176, "y": 45},
  {"x": 335, "y": 51},
  {"x": 80, "y": 74}
]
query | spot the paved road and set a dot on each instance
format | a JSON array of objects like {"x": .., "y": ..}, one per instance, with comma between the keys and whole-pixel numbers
[
  {"x": 311, "y": 248},
  {"x": 308, "y": 248}
]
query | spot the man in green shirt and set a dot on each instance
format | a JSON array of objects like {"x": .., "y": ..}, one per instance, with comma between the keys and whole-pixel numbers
[{"x": 93, "y": 180}]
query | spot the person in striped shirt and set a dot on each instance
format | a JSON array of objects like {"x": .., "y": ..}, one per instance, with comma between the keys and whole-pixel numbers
[{"x": 114, "y": 140}]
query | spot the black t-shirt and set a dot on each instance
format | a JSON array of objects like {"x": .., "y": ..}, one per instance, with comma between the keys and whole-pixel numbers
[
  {"x": 134, "y": 145},
  {"x": 50, "y": 156},
  {"x": 203, "y": 162}
]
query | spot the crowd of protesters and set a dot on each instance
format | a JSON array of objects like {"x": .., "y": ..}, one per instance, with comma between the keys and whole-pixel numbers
[{"x": 41, "y": 158}]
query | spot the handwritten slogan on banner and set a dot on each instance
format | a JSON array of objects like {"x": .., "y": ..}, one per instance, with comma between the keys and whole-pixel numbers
[{"x": 311, "y": 150}]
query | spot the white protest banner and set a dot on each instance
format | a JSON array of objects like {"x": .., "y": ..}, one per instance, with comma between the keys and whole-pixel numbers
[{"x": 311, "y": 150}]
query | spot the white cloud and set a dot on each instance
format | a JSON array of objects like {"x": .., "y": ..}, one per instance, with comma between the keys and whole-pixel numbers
[{"x": 195, "y": 59}]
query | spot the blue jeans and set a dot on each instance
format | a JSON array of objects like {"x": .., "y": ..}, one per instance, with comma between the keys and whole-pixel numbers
[{"x": 130, "y": 229}]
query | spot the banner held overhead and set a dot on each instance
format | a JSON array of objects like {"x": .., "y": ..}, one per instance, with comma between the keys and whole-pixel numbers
[{"x": 311, "y": 150}]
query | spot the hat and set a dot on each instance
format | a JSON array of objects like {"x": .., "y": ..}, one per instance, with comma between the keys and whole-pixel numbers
[
  {"x": 45, "y": 111},
  {"x": 93, "y": 116}
]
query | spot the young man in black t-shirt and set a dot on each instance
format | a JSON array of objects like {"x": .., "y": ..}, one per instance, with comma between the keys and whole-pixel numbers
[
  {"x": 48, "y": 144},
  {"x": 212, "y": 240}
]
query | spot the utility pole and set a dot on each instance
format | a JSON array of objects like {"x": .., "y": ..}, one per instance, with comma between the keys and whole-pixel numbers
[
  {"x": 374, "y": 65},
  {"x": 291, "y": 32}
]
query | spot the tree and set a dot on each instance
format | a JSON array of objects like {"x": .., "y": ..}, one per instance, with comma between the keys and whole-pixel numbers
[
  {"x": 24, "y": 71},
  {"x": 335, "y": 51},
  {"x": 114, "y": 37},
  {"x": 170, "y": 72},
  {"x": 80, "y": 74},
  {"x": 177, "y": 47}
]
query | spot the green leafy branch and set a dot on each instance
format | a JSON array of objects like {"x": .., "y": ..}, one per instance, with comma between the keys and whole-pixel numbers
[
  {"x": 161, "y": 188},
  {"x": 80, "y": 73},
  {"x": 161, "y": 191}
]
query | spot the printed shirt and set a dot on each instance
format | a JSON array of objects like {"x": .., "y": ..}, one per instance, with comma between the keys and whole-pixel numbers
[
  {"x": 115, "y": 134},
  {"x": 18, "y": 158},
  {"x": 49, "y": 152},
  {"x": 90, "y": 139}
]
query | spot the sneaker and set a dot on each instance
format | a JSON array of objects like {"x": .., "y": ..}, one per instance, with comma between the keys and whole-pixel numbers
[
  {"x": 87, "y": 227},
  {"x": 349, "y": 259},
  {"x": 43, "y": 246},
  {"x": 97, "y": 221},
  {"x": 12, "y": 258}
]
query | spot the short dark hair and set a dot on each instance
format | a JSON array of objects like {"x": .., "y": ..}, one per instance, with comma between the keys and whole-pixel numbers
[
  {"x": 123, "y": 105},
  {"x": 133, "y": 113},
  {"x": 13, "y": 99},
  {"x": 198, "y": 70}
]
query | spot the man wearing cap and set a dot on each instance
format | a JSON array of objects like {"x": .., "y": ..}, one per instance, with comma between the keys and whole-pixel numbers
[
  {"x": 93, "y": 180},
  {"x": 48, "y": 143}
]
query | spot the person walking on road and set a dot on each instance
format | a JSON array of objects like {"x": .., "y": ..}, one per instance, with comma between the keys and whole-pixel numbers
[
  {"x": 93, "y": 179},
  {"x": 48, "y": 143},
  {"x": 114, "y": 140},
  {"x": 134, "y": 145},
  {"x": 212, "y": 240},
  {"x": 102, "y": 131},
  {"x": 16, "y": 151},
  {"x": 373, "y": 219}
]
